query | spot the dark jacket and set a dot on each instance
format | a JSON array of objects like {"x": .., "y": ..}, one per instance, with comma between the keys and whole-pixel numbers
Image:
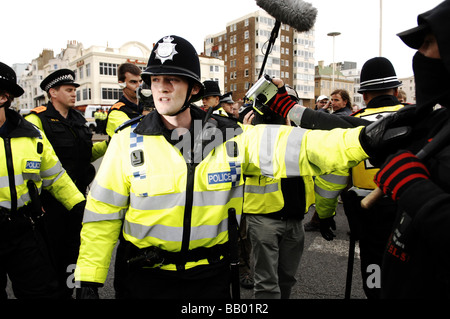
[
  {"x": 71, "y": 140},
  {"x": 422, "y": 268}
]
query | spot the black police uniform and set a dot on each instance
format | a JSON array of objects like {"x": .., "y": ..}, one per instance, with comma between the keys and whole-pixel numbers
[{"x": 72, "y": 142}]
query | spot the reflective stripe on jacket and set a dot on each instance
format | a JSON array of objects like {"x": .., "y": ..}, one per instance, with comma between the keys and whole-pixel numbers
[
  {"x": 33, "y": 158},
  {"x": 327, "y": 189},
  {"x": 263, "y": 195}
]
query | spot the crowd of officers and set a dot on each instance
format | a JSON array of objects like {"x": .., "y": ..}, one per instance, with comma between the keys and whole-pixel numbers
[{"x": 178, "y": 184}]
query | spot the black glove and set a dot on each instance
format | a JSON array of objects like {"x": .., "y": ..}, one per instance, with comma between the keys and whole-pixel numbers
[
  {"x": 88, "y": 290},
  {"x": 399, "y": 172},
  {"x": 325, "y": 226},
  {"x": 383, "y": 137},
  {"x": 78, "y": 209}
]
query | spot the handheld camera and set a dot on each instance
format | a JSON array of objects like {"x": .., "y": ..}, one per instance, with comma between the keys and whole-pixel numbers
[{"x": 261, "y": 92}]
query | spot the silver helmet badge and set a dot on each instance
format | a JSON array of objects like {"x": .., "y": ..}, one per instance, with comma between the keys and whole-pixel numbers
[{"x": 166, "y": 50}]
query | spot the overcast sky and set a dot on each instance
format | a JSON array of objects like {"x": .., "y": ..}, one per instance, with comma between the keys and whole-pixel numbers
[{"x": 30, "y": 26}]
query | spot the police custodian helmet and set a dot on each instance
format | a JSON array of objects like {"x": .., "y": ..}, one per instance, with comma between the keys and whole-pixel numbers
[
  {"x": 173, "y": 55},
  {"x": 8, "y": 80},
  {"x": 378, "y": 74}
]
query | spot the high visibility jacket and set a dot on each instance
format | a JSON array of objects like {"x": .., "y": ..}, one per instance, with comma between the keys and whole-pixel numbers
[
  {"x": 179, "y": 200},
  {"x": 26, "y": 154},
  {"x": 220, "y": 111},
  {"x": 264, "y": 195},
  {"x": 327, "y": 189},
  {"x": 119, "y": 113},
  {"x": 364, "y": 173}
]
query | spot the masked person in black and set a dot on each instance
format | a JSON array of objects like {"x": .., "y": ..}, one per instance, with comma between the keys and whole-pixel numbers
[{"x": 417, "y": 260}]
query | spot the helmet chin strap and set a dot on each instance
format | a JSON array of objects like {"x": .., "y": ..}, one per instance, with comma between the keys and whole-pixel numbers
[{"x": 186, "y": 101}]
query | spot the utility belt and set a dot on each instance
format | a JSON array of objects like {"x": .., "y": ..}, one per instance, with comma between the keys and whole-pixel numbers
[
  {"x": 24, "y": 212},
  {"x": 157, "y": 257}
]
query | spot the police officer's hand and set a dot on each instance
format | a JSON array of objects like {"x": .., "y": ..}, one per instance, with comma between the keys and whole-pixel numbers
[
  {"x": 87, "y": 290},
  {"x": 399, "y": 172},
  {"x": 383, "y": 137},
  {"x": 326, "y": 225},
  {"x": 281, "y": 103}
]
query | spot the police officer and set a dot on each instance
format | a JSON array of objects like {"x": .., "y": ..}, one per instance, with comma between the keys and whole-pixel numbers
[
  {"x": 379, "y": 86},
  {"x": 71, "y": 139},
  {"x": 211, "y": 97},
  {"x": 274, "y": 210},
  {"x": 226, "y": 105},
  {"x": 29, "y": 165},
  {"x": 129, "y": 78},
  {"x": 417, "y": 258},
  {"x": 175, "y": 207}
]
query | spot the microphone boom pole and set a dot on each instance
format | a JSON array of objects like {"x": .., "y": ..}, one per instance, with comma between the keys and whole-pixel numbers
[{"x": 273, "y": 37}]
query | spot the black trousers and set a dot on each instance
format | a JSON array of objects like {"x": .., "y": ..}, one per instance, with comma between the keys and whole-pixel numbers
[
  {"x": 62, "y": 232},
  {"x": 372, "y": 228},
  {"x": 25, "y": 259},
  {"x": 202, "y": 282}
]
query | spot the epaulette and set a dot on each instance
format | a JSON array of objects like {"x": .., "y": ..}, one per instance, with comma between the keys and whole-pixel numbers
[
  {"x": 117, "y": 106},
  {"x": 39, "y": 109},
  {"x": 128, "y": 123}
]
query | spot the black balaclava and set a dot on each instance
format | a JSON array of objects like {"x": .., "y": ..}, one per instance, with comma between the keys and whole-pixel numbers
[
  {"x": 432, "y": 81},
  {"x": 432, "y": 76}
]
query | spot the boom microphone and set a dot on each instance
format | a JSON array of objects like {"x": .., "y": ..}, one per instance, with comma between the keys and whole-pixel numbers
[{"x": 296, "y": 13}]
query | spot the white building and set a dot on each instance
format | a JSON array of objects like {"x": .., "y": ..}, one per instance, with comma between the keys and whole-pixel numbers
[
  {"x": 409, "y": 86},
  {"x": 96, "y": 71}
]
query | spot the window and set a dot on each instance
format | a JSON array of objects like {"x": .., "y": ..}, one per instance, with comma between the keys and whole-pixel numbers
[
  {"x": 108, "y": 68},
  {"x": 88, "y": 70},
  {"x": 246, "y": 47},
  {"x": 86, "y": 94},
  {"x": 111, "y": 94},
  {"x": 81, "y": 72}
]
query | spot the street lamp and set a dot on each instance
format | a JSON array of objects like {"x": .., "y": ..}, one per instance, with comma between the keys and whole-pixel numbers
[
  {"x": 333, "y": 34},
  {"x": 381, "y": 26}
]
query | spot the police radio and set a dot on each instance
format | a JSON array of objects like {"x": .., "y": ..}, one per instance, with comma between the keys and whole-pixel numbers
[{"x": 261, "y": 92}]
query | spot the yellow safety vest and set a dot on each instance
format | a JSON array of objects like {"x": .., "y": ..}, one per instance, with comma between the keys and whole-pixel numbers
[
  {"x": 33, "y": 158},
  {"x": 263, "y": 195},
  {"x": 142, "y": 184},
  {"x": 364, "y": 173}
]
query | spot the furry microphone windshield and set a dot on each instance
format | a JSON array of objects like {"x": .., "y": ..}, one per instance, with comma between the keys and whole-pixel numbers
[{"x": 296, "y": 13}]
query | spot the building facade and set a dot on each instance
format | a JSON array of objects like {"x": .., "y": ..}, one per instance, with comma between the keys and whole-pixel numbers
[
  {"x": 409, "y": 86},
  {"x": 242, "y": 46},
  {"x": 324, "y": 80},
  {"x": 95, "y": 70}
]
